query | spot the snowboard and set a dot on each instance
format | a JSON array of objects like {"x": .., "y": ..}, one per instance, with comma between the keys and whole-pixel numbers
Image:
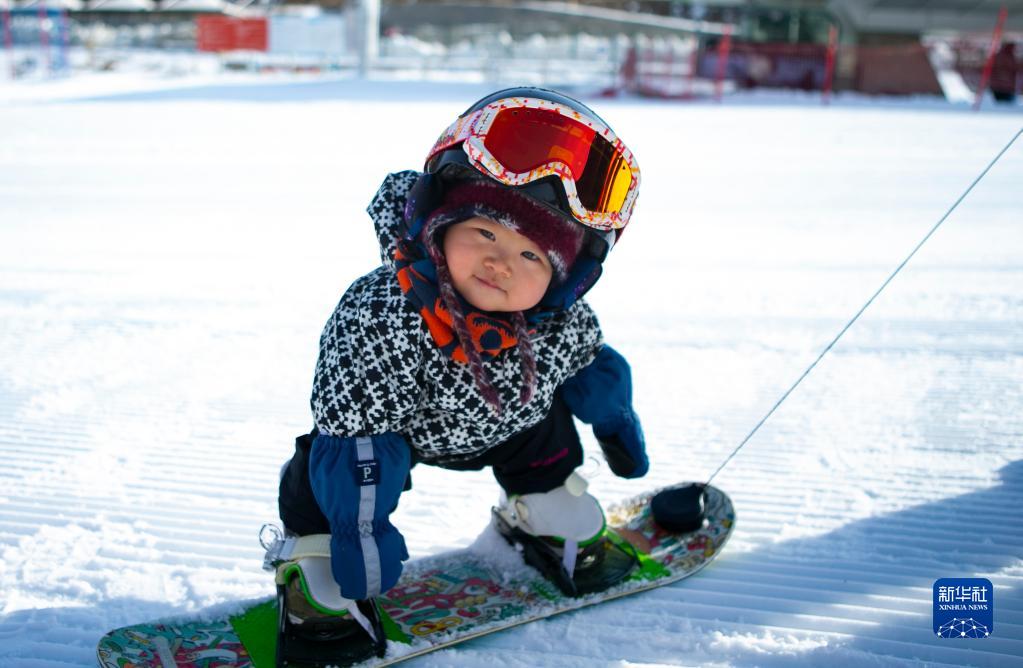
[{"x": 440, "y": 601}]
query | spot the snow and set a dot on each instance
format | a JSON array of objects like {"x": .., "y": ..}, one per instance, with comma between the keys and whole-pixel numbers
[{"x": 170, "y": 249}]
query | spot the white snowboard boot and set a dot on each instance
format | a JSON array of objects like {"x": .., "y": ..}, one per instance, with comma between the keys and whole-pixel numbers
[
  {"x": 563, "y": 534},
  {"x": 566, "y": 515}
]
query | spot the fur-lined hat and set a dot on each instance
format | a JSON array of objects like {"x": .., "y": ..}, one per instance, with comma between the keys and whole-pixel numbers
[{"x": 558, "y": 238}]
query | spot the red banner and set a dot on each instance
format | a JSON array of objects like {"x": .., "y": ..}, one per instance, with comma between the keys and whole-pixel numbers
[{"x": 226, "y": 33}]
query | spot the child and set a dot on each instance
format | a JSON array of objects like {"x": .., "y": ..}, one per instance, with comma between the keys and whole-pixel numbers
[{"x": 471, "y": 346}]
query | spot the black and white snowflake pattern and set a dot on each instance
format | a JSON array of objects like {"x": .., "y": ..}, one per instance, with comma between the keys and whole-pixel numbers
[{"x": 379, "y": 370}]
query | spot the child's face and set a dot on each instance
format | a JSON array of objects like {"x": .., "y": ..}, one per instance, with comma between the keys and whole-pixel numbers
[{"x": 495, "y": 268}]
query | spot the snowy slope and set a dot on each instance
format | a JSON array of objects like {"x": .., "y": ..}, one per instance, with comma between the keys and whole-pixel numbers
[{"x": 168, "y": 258}]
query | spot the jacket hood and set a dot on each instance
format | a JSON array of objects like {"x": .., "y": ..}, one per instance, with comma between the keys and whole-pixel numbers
[{"x": 387, "y": 210}]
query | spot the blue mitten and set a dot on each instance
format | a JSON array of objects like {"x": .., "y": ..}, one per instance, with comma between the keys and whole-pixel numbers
[
  {"x": 601, "y": 395},
  {"x": 621, "y": 439},
  {"x": 357, "y": 482}
]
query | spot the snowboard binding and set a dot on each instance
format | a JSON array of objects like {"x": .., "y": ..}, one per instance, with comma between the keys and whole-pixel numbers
[
  {"x": 564, "y": 535},
  {"x": 316, "y": 627},
  {"x": 324, "y": 640},
  {"x": 602, "y": 563}
]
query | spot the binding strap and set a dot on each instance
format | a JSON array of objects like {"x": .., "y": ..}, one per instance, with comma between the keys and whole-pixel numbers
[{"x": 294, "y": 548}]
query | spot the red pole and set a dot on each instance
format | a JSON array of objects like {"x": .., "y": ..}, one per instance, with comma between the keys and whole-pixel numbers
[
  {"x": 996, "y": 41},
  {"x": 9, "y": 40},
  {"x": 629, "y": 73},
  {"x": 724, "y": 47},
  {"x": 829, "y": 64}
]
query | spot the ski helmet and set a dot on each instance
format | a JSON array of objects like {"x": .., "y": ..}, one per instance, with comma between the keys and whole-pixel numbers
[{"x": 550, "y": 148}]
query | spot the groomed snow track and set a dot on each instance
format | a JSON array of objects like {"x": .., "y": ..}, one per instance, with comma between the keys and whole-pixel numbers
[{"x": 167, "y": 261}]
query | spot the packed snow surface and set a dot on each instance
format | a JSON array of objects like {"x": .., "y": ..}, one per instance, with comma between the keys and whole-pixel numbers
[{"x": 169, "y": 254}]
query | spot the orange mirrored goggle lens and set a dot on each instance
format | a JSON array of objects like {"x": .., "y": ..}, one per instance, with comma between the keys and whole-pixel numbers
[{"x": 523, "y": 139}]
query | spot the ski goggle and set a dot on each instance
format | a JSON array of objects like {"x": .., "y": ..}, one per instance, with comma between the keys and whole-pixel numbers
[{"x": 520, "y": 140}]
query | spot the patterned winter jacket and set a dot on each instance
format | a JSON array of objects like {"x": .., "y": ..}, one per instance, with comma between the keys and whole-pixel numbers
[{"x": 380, "y": 371}]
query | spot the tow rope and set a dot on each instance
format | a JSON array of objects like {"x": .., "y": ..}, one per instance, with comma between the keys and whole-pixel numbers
[{"x": 863, "y": 308}]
